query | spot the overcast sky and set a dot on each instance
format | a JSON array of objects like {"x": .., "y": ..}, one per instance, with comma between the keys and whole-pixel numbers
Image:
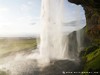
[{"x": 21, "y": 17}]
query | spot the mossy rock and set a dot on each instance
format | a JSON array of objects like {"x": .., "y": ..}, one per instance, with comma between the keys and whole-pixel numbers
[{"x": 91, "y": 49}]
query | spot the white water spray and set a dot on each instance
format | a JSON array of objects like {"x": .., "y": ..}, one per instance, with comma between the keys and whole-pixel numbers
[{"x": 53, "y": 43}]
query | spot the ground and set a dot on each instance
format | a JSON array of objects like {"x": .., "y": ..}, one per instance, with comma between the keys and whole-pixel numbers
[{"x": 14, "y": 61}]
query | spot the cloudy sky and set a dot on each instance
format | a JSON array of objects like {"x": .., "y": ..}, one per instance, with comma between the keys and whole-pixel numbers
[{"x": 21, "y": 17}]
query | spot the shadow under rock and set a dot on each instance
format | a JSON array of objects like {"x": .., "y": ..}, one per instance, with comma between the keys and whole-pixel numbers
[{"x": 60, "y": 67}]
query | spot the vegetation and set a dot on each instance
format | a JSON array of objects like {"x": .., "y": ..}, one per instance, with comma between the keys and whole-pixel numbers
[
  {"x": 92, "y": 59},
  {"x": 13, "y": 45},
  {"x": 3, "y": 73},
  {"x": 9, "y": 45}
]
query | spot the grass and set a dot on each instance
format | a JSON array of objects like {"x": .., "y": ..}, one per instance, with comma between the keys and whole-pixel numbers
[
  {"x": 8, "y": 45},
  {"x": 12, "y": 45},
  {"x": 3, "y": 73},
  {"x": 95, "y": 64},
  {"x": 92, "y": 61},
  {"x": 93, "y": 55}
]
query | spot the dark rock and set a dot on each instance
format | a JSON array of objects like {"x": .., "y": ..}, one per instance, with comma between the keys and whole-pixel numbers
[
  {"x": 73, "y": 45},
  {"x": 61, "y": 66},
  {"x": 75, "y": 1},
  {"x": 74, "y": 49},
  {"x": 91, "y": 49}
]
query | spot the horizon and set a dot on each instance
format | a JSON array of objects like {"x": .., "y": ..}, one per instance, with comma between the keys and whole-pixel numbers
[{"x": 22, "y": 17}]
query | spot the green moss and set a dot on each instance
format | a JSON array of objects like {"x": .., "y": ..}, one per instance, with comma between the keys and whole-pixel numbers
[
  {"x": 92, "y": 60},
  {"x": 94, "y": 64},
  {"x": 92, "y": 55}
]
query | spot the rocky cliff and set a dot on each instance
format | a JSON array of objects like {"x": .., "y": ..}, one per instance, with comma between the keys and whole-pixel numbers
[
  {"x": 92, "y": 13},
  {"x": 91, "y": 53}
]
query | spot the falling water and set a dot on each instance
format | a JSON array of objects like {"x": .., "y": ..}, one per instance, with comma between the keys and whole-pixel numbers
[{"x": 53, "y": 43}]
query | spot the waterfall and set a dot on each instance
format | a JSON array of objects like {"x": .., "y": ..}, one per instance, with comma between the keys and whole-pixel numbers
[{"x": 53, "y": 43}]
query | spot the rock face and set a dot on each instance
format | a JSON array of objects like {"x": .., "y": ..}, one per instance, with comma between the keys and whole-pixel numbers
[
  {"x": 73, "y": 45},
  {"x": 92, "y": 13},
  {"x": 78, "y": 41}
]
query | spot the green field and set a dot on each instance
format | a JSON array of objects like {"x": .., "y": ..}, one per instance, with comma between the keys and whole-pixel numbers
[{"x": 9, "y": 45}]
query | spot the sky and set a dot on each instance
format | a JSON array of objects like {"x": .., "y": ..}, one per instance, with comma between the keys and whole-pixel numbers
[{"x": 21, "y": 17}]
